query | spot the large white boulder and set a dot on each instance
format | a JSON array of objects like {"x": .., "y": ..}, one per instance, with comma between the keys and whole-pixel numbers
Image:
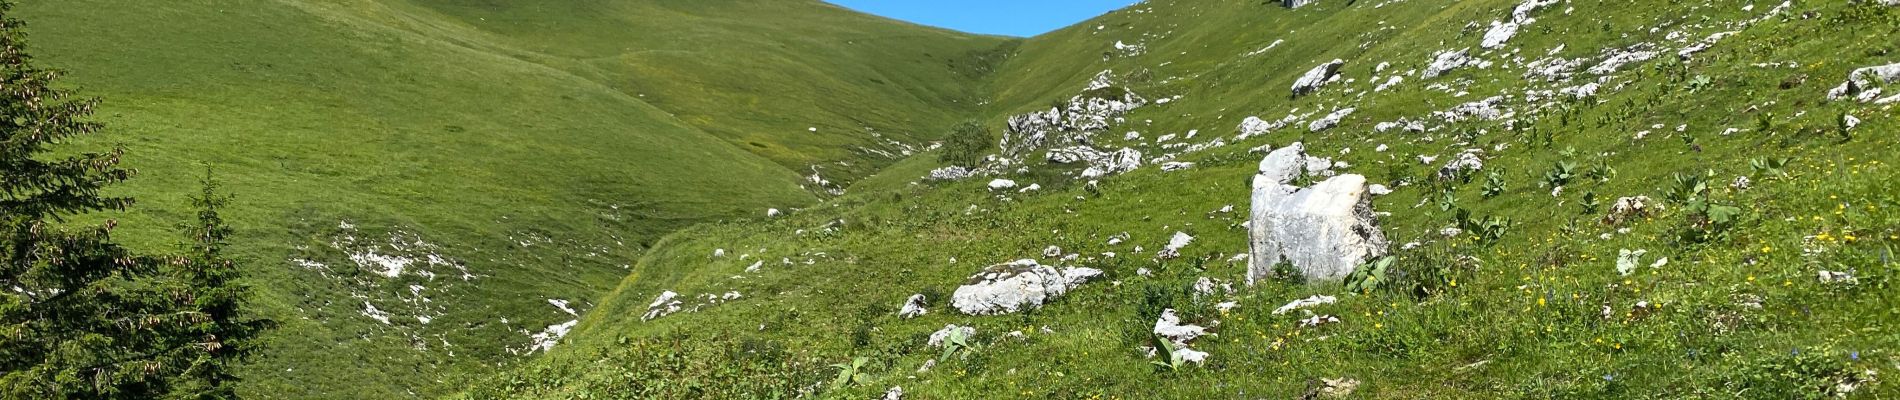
[
  {"x": 1317, "y": 77},
  {"x": 1325, "y": 230},
  {"x": 1018, "y": 285}
]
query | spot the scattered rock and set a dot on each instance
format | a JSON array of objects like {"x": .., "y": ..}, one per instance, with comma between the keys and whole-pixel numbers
[
  {"x": 666, "y": 303},
  {"x": 1330, "y": 120},
  {"x": 1010, "y": 287},
  {"x": 913, "y": 308},
  {"x": 1337, "y": 388},
  {"x": 1001, "y": 184},
  {"x": 1173, "y": 249},
  {"x": 1169, "y": 327},
  {"x": 1120, "y": 161},
  {"x": 1500, "y": 32},
  {"x": 1464, "y": 164},
  {"x": 1445, "y": 62},
  {"x": 950, "y": 173},
  {"x": 937, "y": 338},
  {"x": 1628, "y": 208},
  {"x": 1304, "y": 303},
  {"x": 1863, "y": 84},
  {"x": 1845, "y": 278}
]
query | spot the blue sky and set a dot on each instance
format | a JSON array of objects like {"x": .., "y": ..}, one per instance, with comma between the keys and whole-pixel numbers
[{"x": 997, "y": 17}]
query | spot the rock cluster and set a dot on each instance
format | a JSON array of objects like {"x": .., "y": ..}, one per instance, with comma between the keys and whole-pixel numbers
[{"x": 1018, "y": 285}]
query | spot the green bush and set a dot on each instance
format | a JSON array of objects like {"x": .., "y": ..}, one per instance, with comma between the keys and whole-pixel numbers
[{"x": 967, "y": 144}]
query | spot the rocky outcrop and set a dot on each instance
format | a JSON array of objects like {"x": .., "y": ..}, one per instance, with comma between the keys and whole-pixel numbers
[
  {"x": 1018, "y": 285},
  {"x": 1318, "y": 76},
  {"x": 1445, "y": 62},
  {"x": 1863, "y": 84},
  {"x": 1119, "y": 161},
  {"x": 1330, "y": 120},
  {"x": 1100, "y": 106},
  {"x": 1325, "y": 230},
  {"x": 1499, "y": 33}
]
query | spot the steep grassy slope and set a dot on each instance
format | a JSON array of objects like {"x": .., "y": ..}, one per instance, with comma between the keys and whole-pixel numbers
[
  {"x": 1537, "y": 309},
  {"x": 420, "y": 183},
  {"x": 762, "y": 74}
]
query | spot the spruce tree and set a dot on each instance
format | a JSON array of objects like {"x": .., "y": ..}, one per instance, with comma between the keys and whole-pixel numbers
[
  {"x": 81, "y": 316},
  {"x": 204, "y": 281}
]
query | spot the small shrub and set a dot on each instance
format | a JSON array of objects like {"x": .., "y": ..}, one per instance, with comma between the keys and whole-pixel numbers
[
  {"x": 966, "y": 145},
  {"x": 1493, "y": 185},
  {"x": 1560, "y": 174}
]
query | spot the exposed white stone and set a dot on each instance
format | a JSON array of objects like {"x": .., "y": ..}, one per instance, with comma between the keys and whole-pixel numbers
[
  {"x": 666, "y": 303},
  {"x": 1317, "y": 77},
  {"x": 1022, "y": 284},
  {"x": 546, "y": 339},
  {"x": 1615, "y": 59},
  {"x": 1499, "y": 33},
  {"x": 1120, "y": 161},
  {"x": 1627, "y": 208},
  {"x": 1464, "y": 164},
  {"x": 1330, "y": 120},
  {"x": 938, "y": 338},
  {"x": 913, "y": 308},
  {"x": 1315, "y": 300},
  {"x": 950, "y": 173},
  {"x": 1169, "y": 327},
  {"x": 1173, "y": 249},
  {"x": 1863, "y": 84},
  {"x": 1486, "y": 110},
  {"x": 1325, "y": 230},
  {"x": 1000, "y": 184}
]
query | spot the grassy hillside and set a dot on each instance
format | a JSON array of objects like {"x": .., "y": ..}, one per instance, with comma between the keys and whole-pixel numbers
[
  {"x": 1725, "y": 304},
  {"x": 761, "y": 74},
  {"x": 420, "y": 182}
]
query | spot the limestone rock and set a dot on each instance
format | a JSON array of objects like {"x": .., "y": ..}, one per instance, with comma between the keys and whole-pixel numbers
[
  {"x": 1330, "y": 120},
  {"x": 1863, "y": 84},
  {"x": 1325, "y": 230},
  {"x": 913, "y": 308},
  {"x": 1500, "y": 32},
  {"x": 1445, "y": 62},
  {"x": 1317, "y": 77},
  {"x": 1018, "y": 285},
  {"x": 1120, "y": 161},
  {"x": 937, "y": 338},
  {"x": 950, "y": 173}
]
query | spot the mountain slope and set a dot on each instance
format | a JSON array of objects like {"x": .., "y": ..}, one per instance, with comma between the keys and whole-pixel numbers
[
  {"x": 1718, "y": 113},
  {"x": 421, "y": 196}
]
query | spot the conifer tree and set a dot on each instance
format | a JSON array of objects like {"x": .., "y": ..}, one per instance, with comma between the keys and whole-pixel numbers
[{"x": 81, "y": 316}]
